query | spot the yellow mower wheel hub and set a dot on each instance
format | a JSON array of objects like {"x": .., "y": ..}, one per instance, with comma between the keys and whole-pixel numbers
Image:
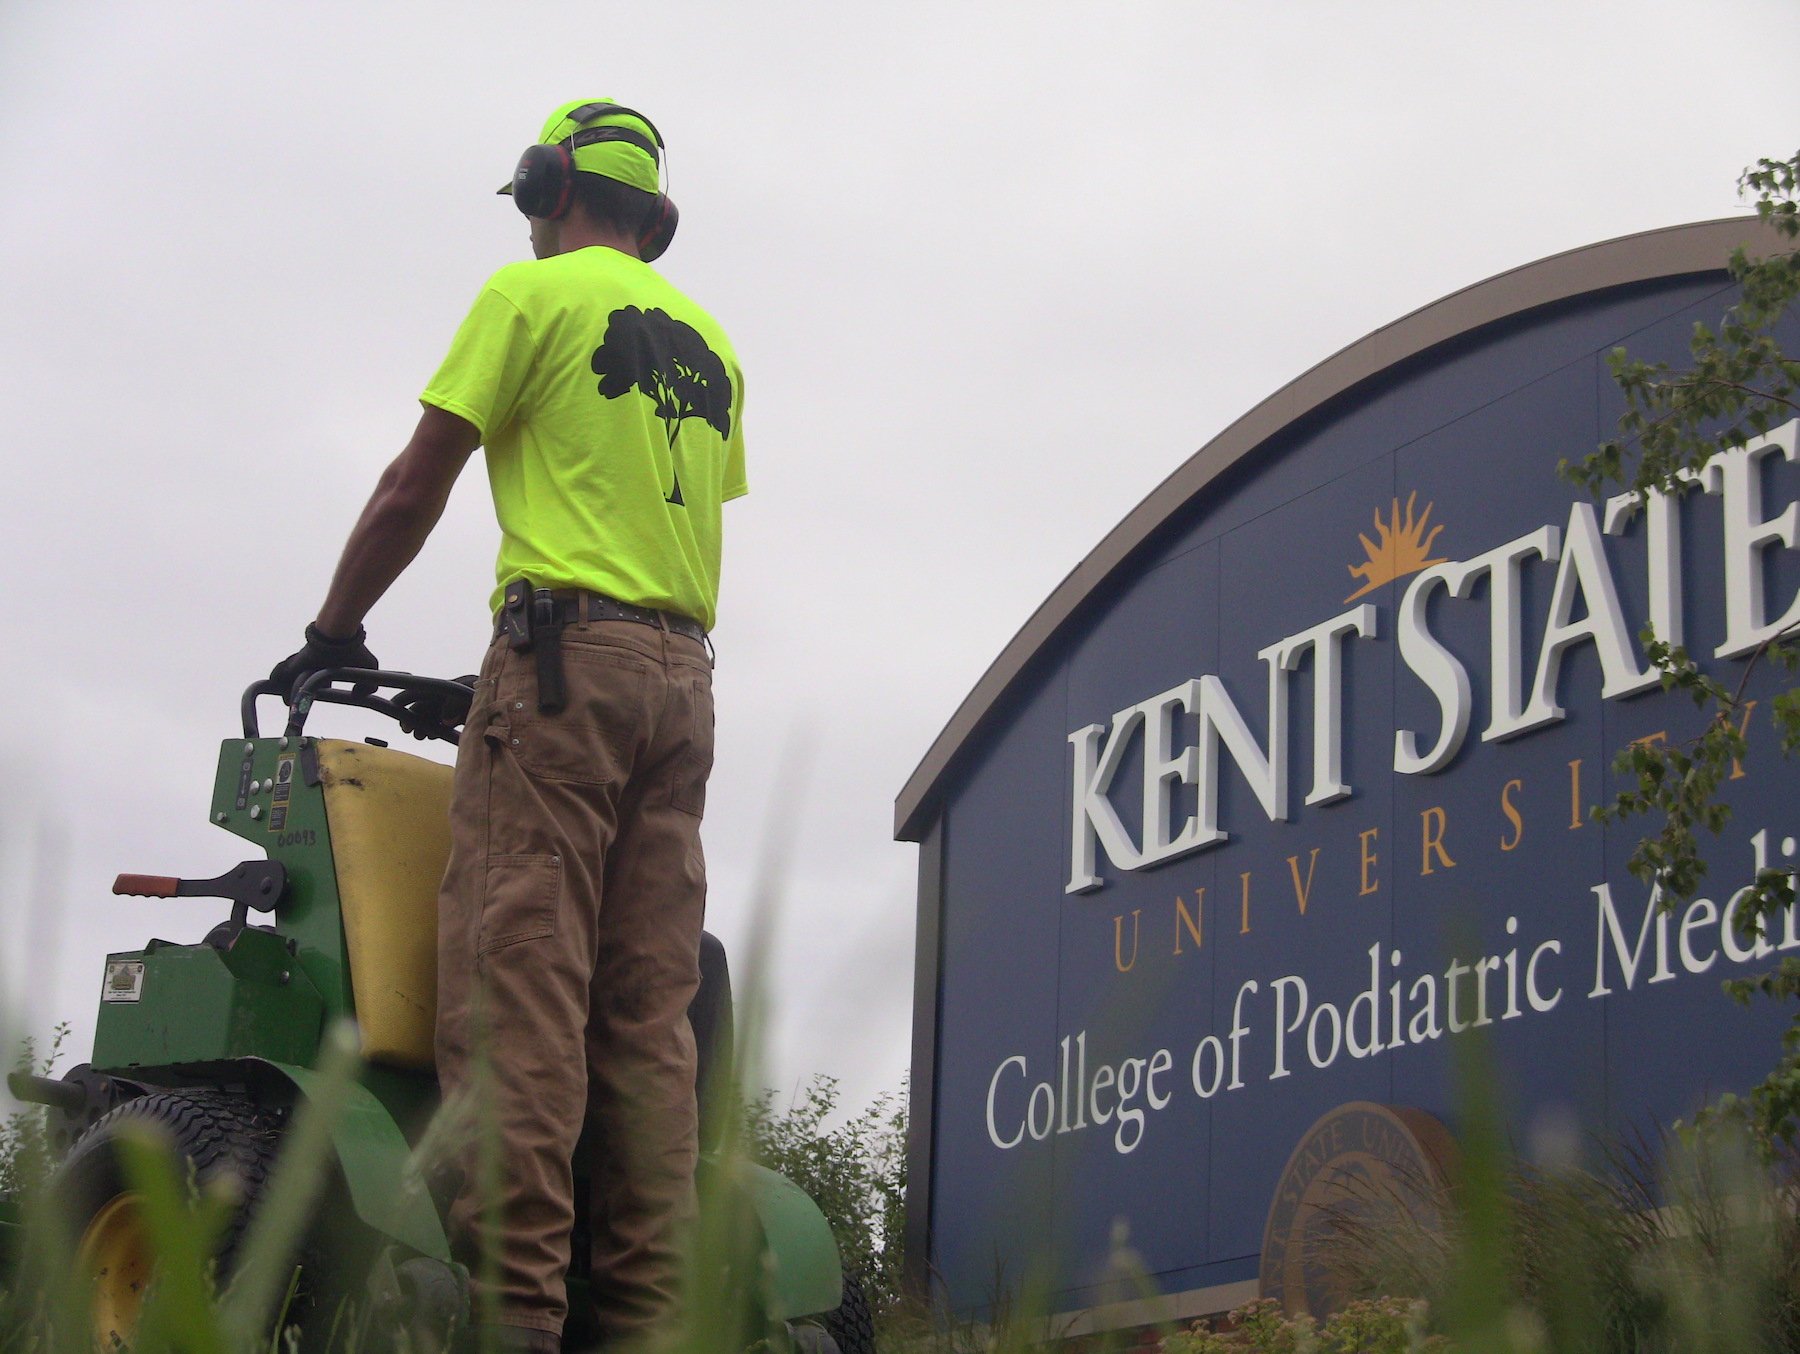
[{"x": 116, "y": 1258}]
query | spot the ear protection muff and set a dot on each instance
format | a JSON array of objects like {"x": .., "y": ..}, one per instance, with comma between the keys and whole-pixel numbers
[
  {"x": 655, "y": 237},
  {"x": 543, "y": 184}
]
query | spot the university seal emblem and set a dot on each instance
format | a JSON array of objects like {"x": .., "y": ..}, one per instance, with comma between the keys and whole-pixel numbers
[{"x": 1357, "y": 1166}]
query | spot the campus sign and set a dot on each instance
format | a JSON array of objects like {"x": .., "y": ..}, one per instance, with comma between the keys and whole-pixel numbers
[{"x": 1290, "y": 787}]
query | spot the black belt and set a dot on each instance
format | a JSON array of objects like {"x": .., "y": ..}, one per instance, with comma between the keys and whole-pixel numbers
[
  {"x": 534, "y": 619},
  {"x": 571, "y": 608}
]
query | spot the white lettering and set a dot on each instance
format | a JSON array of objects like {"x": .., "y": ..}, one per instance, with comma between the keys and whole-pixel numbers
[
  {"x": 1732, "y": 936},
  {"x": 1584, "y": 573},
  {"x": 1701, "y": 913},
  {"x": 1584, "y": 607},
  {"x": 1326, "y": 643},
  {"x": 1094, "y": 815},
  {"x": 1538, "y": 1001},
  {"x": 1433, "y": 664},
  {"x": 1504, "y": 567},
  {"x": 1131, "y": 1074},
  {"x": 993, "y": 1086},
  {"x": 1204, "y": 1088},
  {"x": 1737, "y": 477},
  {"x": 1160, "y": 1061},
  {"x": 1103, "y": 1080},
  {"x": 1238, "y": 1031},
  {"x": 1372, "y": 996},
  {"x": 1162, "y": 768},
  {"x": 1607, "y": 925},
  {"x": 1312, "y": 1035},
  {"x": 1662, "y": 545},
  {"x": 1221, "y": 724},
  {"x": 1457, "y": 969},
  {"x": 1280, "y": 987}
]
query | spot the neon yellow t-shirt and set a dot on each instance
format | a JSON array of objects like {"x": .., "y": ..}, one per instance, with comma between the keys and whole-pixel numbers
[{"x": 611, "y": 409}]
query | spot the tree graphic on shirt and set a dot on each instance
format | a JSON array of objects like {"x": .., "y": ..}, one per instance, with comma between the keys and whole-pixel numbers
[{"x": 668, "y": 363}]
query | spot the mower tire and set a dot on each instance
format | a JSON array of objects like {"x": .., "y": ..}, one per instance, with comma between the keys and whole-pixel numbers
[
  {"x": 213, "y": 1136},
  {"x": 851, "y": 1324}
]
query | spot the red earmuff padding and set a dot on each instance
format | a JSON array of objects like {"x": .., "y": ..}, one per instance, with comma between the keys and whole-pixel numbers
[
  {"x": 565, "y": 182},
  {"x": 655, "y": 237}
]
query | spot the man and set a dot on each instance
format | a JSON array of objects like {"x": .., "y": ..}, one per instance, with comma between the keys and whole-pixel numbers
[{"x": 570, "y": 914}]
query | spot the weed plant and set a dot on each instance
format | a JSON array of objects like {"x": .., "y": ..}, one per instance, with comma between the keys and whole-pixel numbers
[{"x": 25, "y": 1152}]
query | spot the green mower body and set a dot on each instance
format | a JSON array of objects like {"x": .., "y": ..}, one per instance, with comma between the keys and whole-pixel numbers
[
  {"x": 254, "y": 988},
  {"x": 333, "y": 919}
]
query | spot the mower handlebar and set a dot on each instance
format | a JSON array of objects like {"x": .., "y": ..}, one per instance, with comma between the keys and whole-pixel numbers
[{"x": 320, "y": 686}]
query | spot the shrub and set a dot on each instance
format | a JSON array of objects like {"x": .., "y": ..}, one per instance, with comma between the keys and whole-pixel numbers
[{"x": 854, "y": 1170}]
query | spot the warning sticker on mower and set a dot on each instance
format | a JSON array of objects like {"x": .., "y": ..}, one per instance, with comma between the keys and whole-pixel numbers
[
  {"x": 124, "y": 981},
  {"x": 278, "y": 801}
]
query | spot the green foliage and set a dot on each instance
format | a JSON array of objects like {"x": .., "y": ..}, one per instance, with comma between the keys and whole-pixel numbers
[
  {"x": 25, "y": 1156},
  {"x": 855, "y": 1170},
  {"x": 1366, "y": 1326},
  {"x": 1738, "y": 385}
]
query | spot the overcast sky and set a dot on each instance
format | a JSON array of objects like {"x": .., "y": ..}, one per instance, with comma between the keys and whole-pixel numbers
[{"x": 993, "y": 271}]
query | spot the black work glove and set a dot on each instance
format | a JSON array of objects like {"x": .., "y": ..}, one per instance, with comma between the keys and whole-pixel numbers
[
  {"x": 427, "y": 705},
  {"x": 322, "y": 651}
]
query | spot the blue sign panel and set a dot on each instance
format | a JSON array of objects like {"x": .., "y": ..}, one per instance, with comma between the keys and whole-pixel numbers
[{"x": 1299, "y": 792}]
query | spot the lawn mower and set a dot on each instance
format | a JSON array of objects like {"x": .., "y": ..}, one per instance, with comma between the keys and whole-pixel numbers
[{"x": 216, "y": 1043}]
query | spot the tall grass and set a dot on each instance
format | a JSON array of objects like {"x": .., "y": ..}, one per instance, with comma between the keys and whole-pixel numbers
[
  {"x": 1687, "y": 1242},
  {"x": 1693, "y": 1246},
  {"x": 192, "y": 1308}
]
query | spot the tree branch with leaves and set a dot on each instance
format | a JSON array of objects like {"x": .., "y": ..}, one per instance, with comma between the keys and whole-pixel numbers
[{"x": 1739, "y": 386}]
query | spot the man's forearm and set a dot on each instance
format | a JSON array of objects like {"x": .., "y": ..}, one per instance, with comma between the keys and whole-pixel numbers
[
  {"x": 385, "y": 539},
  {"x": 406, "y": 505}
]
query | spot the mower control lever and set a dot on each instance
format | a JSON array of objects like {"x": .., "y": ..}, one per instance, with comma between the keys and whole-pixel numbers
[{"x": 255, "y": 884}]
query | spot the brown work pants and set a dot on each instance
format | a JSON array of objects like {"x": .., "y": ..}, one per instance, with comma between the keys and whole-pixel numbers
[{"x": 568, "y": 951}]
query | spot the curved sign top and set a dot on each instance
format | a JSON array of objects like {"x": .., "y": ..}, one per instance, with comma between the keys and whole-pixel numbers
[{"x": 1652, "y": 256}]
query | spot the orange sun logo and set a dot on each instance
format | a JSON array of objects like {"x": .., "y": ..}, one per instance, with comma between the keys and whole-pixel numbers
[{"x": 1404, "y": 545}]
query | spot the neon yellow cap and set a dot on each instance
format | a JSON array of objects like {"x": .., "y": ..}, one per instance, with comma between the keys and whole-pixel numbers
[{"x": 621, "y": 160}]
